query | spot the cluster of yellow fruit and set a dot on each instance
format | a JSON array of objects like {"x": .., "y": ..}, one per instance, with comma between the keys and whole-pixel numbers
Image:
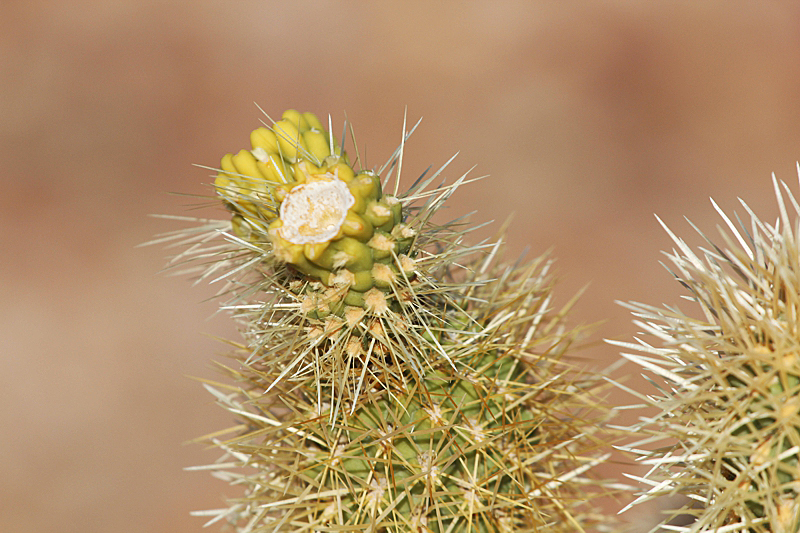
[{"x": 297, "y": 190}]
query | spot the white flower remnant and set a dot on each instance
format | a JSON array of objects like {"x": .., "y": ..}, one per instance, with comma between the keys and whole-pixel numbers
[{"x": 313, "y": 212}]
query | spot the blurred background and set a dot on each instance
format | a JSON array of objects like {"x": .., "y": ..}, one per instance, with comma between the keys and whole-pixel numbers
[{"x": 589, "y": 116}]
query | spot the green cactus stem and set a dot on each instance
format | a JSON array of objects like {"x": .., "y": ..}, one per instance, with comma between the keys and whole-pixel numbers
[
  {"x": 391, "y": 379},
  {"x": 729, "y": 394}
]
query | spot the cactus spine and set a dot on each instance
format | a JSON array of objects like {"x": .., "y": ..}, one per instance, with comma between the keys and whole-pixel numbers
[
  {"x": 391, "y": 379},
  {"x": 729, "y": 394}
]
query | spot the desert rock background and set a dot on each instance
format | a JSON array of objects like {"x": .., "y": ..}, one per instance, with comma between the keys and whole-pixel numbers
[{"x": 589, "y": 116}]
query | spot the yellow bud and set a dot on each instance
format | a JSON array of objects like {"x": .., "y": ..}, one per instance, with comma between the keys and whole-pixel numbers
[
  {"x": 222, "y": 182},
  {"x": 281, "y": 192},
  {"x": 289, "y": 139},
  {"x": 342, "y": 170},
  {"x": 272, "y": 171},
  {"x": 240, "y": 227},
  {"x": 265, "y": 139},
  {"x": 287, "y": 252},
  {"x": 227, "y": 164},
  {"x": 317, "y": 145},
  {"x": 346, "y": 252},
  {"x": 305, "y": 169},
  {"x": 245, "y": 163},
  {"x": 296, "y": 117},
  {"x": 313, "y": 121}
]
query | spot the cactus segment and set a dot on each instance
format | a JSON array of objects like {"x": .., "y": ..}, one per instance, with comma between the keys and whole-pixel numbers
[
  {"x": 501, "y": 445},
  {"x": 391, "y": 378},
  {"x": 729, "y": 382}
]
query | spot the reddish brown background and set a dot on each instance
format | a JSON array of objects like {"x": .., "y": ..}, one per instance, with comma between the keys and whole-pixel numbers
[{"x": 590, "y": 117}]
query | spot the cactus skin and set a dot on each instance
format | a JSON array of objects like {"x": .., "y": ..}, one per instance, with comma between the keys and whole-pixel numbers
[
  {"x": 440, "y": 400},
  {"x": 731, "y": 381}
]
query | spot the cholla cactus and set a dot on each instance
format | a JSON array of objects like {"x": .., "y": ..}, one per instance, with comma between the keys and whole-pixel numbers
[
  {"x": 391, "y": 379},
  {"x": 729, "y": 393}
]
